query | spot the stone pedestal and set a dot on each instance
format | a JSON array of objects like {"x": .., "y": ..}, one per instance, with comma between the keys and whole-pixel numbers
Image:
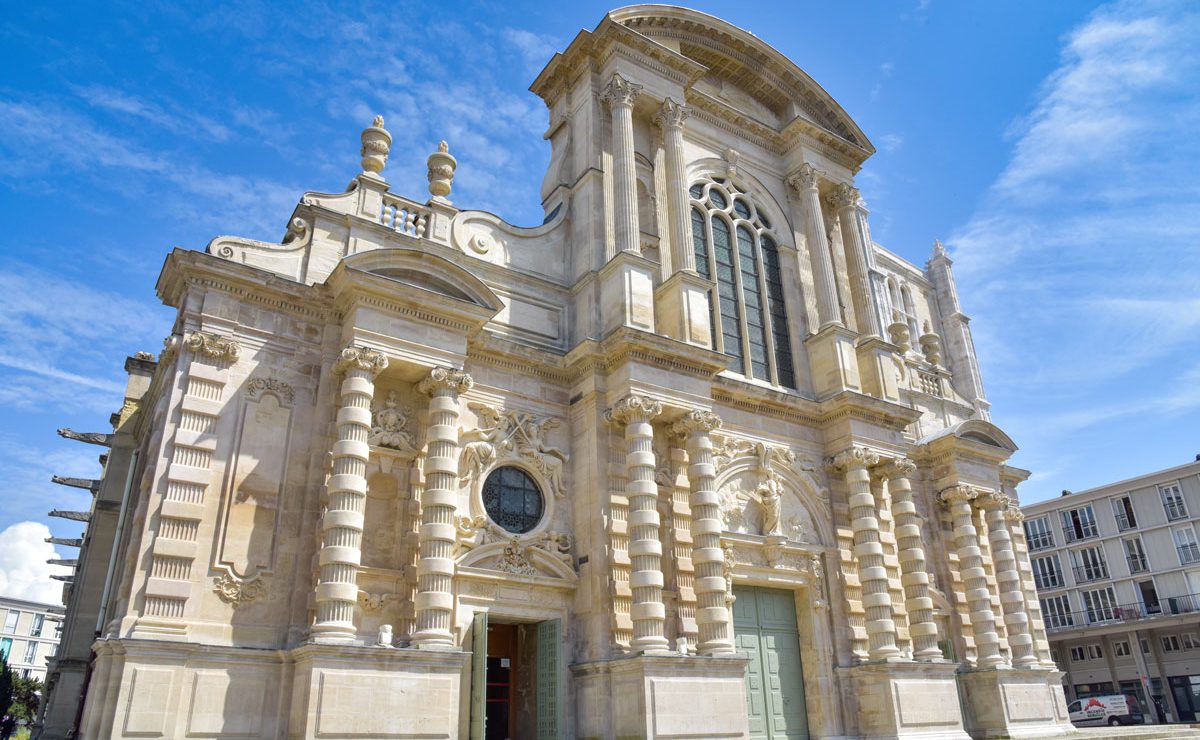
[
  {"x": 1014, "y": 703},
  {"x": 661, "y": 696},
  {"x": 681, "y": 303},
  {"x": 877, "y": 368},
  {"x": 907, "y": 700},
  {"x": 377, "y": 692},
  {"x": 627, "y": 292},
  {"x": 834, "y": 360}
]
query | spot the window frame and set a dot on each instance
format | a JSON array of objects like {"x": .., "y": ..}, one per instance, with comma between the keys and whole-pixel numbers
[
  {"x": 1121, "y": 649},
  {"x": 1039, "y": 534},
  {"x": 1173, "y": 503},
  {"x": 1124, "y": 513},
  {"x": 1089, "y": 564},
  {"x": 1189, "y": 551},
  {"x": 1047, "y": 568},
  {"x": 1076, "y": 527},
  {"x": 1060, "y": 616},
  {"x": 1094, "y": 607},
  {"x": 11, "y": 620}
]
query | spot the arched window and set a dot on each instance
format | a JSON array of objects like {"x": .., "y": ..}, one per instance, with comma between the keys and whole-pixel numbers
[{"x": 735, "y": 251}]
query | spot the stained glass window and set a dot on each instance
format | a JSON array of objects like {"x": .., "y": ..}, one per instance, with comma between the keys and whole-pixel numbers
[{"x": 512, "y": 499}]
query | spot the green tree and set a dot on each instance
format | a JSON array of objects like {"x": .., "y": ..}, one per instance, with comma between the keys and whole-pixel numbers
[
  {"x": 6, "y": 685},
  {"x": 25, "y": 698}
]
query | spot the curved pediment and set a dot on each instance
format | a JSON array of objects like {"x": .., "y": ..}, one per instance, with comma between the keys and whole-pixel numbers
[
  {"x": 743, "y": 70},
  {"x": 975, "y": 430},
  {"x": 425, "y": 271}
]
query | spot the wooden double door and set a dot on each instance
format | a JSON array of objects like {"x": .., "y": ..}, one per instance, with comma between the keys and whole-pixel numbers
[
  {"x": 765, "y": 629},
  {"x": 516, "y": 681}
]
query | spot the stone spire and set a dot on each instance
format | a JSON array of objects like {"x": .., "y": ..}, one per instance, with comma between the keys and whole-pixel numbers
[
  {"x": 441, "y": 172},
  {"x": 376, "y": 142}
]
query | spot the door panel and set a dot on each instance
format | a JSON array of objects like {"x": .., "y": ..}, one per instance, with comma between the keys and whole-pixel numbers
[
  {"x": 765, "y": 630},
  {"x": 478, "y": 675},
  {"x": 549, "y": 683}
]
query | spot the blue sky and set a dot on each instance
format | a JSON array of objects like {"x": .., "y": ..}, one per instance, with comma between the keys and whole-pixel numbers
[{"x": 1052, "y": 146}]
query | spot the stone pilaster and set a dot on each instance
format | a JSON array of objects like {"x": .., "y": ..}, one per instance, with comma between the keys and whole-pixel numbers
[
  {"x": 997, "y": 508},
  {"x": 913, "y": 574},
  {"x": 712, "y": 614},
  {"x": 620, "y": 95},
  {"x": 435, "y": 564},
  {"x": 805, "y": 182},
  {"x": 342, "y": 525},
  {"x": 670, "y": 119},
  {"x": 845, "y": 200},
  {"x": 966, "y": 539},
  {"x": 868, "y": 550},
  {"x": 645, "y": 548}
]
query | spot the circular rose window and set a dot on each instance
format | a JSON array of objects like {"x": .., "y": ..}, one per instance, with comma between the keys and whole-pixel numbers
[{"x": 513, "y": 500}]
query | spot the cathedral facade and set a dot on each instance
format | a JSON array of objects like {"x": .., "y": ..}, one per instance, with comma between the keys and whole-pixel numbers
[{"x": 695, "y": 458}]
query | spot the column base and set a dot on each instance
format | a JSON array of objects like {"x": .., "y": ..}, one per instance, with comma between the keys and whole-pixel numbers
[
  {"x": 834, "y": 361},
  {"x": 1014, "y": 703},
  {"x": 627, "y": 292},
  {"x": 877, "y": 368},
  {"x": 681, "y": 305},
  {"x": 907, "y": 700},
  {"x": 650, "y": 696}
]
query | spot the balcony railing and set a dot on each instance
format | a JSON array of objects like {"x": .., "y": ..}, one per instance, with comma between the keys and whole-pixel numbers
[
  {"x": 1189, "y": 553},
  {"x": 1049, "y": 580},
  {"x": 1168, "y": 606},
  {"x": 1040, "y": 540},
  {"x": 1137, "y": 564},
  {"x": 1175, "y": 510},
  {"x": 1124, "y": 522},
  {"x": 1089, "y": 573}
]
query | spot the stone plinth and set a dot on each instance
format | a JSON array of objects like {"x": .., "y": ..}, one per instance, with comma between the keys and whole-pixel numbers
[
  {"x": 661, "y": 696},
  {"x": 907, "y": 700},
  {"x": 1014, "y": 703}
]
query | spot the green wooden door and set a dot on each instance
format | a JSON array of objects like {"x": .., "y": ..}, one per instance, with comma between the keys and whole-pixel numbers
[
  {"x": 479, "y": 630},
  {"x": 549, "y": 679},
  {"x": 764, "y": 623}
]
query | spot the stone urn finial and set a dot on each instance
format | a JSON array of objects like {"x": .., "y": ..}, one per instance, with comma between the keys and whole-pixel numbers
[
  {"x": 441, "y": 171},
  {"x": 931, "y": 345},
  {"x": 376, "y": 142}
]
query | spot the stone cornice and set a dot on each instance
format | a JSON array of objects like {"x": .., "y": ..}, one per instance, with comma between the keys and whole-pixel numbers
[
  {"x": 867, "y": 408},
  {"x": 184, "y": 269},
  {"x": 626, "y": 344}
]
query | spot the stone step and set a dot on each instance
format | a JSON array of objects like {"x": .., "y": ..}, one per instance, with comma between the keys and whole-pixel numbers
[{"x": 1140, "y": 732}]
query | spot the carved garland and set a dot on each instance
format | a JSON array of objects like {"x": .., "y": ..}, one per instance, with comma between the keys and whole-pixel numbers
[
  {"x": 212, "y": 345},
  {"x": 237, "y": 591}
]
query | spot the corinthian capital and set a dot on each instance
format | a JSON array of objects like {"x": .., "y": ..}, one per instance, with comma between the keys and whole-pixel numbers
[
  {"x": 993, "y": 500},
  {"x": 619, "y": 91},
  {"x": 672, "y": 114},
  {"x": 957, "y": 495},
  {"x": 211, "y": 345},
  {"x": 445, "y": 377},
  {"x": 697, "y": 421},
  {"x": 1013, "y": 513},
  {"x": 360, "y": 358},
  {"x": 898, "y": 467},
  {"x": 805, "y": 178},
  {"x": 855, "y": 457},
  {"x": 632, "y": 409},
  {"x": 844, "y": 196}
]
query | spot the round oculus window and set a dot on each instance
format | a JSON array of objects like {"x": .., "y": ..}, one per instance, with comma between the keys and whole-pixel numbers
[{"x": 513, "y": 500}]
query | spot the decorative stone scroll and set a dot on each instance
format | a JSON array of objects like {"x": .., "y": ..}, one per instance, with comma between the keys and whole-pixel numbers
[
  {"x": 389, "y": 425},
  {"x": 373, "y": 602},
  {"x": 256, "y": 387},
  {"x": 237, "y": 591},
  {"x": 511, "y": 435},
  {"x": 212, "y": 346}
]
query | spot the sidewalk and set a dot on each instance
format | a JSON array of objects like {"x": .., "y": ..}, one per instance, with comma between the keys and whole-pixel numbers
[{"x": 1140, "y": 732}]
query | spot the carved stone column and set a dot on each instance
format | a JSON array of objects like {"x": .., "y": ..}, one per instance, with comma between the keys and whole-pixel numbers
[
  {"x": 645, "y": 549},
  {"x": 805, "y": 182},
  {"x": 342, "y": 525},
  {"x": 670, "y": 118},
  {"x": 868, "y": 551},
  {"x": 998, "y": 508},
  {"x": 966, "y": 539},
  {"x": 712, "y": 614},
  {"x": 921, "y": 626},
  {"x": 845, "y": 199},
  {"x": 435, "y": 564},
  {"x": 620, "y": 95}
]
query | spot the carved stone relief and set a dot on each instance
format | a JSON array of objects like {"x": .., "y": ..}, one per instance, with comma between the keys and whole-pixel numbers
[
  {"x": 389, "y": 425},
  {"x": 754, "y": 500},
  {"x": 238, "y": 591},
  {"x": 511, "y": 435}
]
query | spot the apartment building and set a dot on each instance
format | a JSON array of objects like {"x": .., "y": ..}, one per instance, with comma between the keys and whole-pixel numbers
[
  {"x": 29, "y": 636},
  {"x": 1117, "y": 569}
]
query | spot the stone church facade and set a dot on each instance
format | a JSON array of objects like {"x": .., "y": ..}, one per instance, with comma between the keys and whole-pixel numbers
[{"x": 695, "y": 458}]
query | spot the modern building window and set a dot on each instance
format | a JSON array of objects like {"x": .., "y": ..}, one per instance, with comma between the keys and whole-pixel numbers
[
  {"x": 1089, "y": 565},
  {"x": 1078, "y": 655},
  {"x": 10, "y": 620},
  {"x": 5, "y": 646},
  {"x": 1172, "y": 501},
  {"x": 1149, "y": 596},
  {"x": 512, "y": 499},
  {"x": 1100, "y": 604},
  {"x": 1121, "y": 648},
  {"x": 1046, "y": 572},
  {"x": 52, "y": 650},
  {"x": 1170, "y": 643},
  {"x": 36, "y": 628},
  {"x": 1135, "y": 555},
  {"x": 1038, "y": 533},
  {"x": 1079, "y": 524},
  {"x": 1122, "y": 507},
  {"x": 1081, "y": 653},
  {"x": 1185, "y": 543},
  {"x": 1190, "y": 641},
  {"x": 735, "y": 250},
  {"x": 30, "y": 651},
  {"x": 1056, "y": 612},
  {"x": 1145, "y": 646}
]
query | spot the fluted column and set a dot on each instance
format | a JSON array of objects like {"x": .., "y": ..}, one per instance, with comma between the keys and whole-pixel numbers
[
  {"x": 997, "y": 509},
  {"x": 645, "y": 549},
  {"x": 670, "y": 118},
  {"x": 970, "y": 561},
  {"x": 712, "y": 614},
  {"x": 868, "y": 551},
  {"x": 845, "y": 200},
  {"x": 435, "y": 564},
  {"x": 805, "y": 183},
  {"x": 921, "y": 626},
  {"x": 620, "y": 95},
  {"x": 342, "y": 525}
]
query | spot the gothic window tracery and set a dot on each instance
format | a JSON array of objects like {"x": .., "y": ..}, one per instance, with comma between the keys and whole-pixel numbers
[{"x": 734, "y": 250}]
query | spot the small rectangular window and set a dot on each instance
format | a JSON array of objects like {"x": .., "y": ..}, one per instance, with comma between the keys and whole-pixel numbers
[
  {"x": 1172, "y": 501},
  {"x": 1094, "y": 652},
  {"x": 1056, "y": 612},
  {"x": 1089, "y": 564},
  {"x": 1185, "y": 543},
  {"x": 1135, "y": 555},
  {"x": 30, "y": 651},
  {"x": 38, "y": 621},
  {"x": 1189, "y": 641},
  {"x": 1078, "y": 654},
  {"x": 1038, "y": 533},
  {"x": 1122, "y": 507},
  {"x": 1170, "y": 643},
  {"x": 1046, "y": 572},
  {"x": 1121, "y": 648}
]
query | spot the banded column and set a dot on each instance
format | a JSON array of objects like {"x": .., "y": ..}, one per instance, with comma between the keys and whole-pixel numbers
[
  {"x": 435, "y": 543},
  {"x": 712, "y": 613},
  {"x": 645, "y": 549},
  {"x": 845, "y": 200},
  {"x": 997, "y": 509},
  {"x": 342, "y": 525},
  {"x": 620, "y": 95},
  {"x": 966, "y": 540},
  {"x": 921, "y": 626},
  {"x": 670, "y": 118},
  {"x": 868, "y": 551},
  {"x": 805, "y": 183}
]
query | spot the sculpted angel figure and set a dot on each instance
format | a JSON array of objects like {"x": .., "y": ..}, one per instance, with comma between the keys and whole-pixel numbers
[{"x": 551, "y": 459}]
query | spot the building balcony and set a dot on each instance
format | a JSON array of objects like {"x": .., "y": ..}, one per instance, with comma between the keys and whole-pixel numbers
[
  {"x": 1123, "y": 614},
  {"x": 1137, "y": 565},
  {"x": 1088, "y": 573},
  {"x": 1040, "y": 541}
]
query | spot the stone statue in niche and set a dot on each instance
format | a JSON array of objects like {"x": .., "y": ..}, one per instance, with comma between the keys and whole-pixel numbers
[
  {"x": 389, "y": 425},
  {"x": 770, "y": 494},
  {"x": 511, "y": 435}
]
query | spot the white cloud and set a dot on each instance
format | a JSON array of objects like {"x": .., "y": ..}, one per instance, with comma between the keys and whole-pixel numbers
[
  {"x": 536, "y": 49},
  {"x": 24, "y": 572},
  {"x": 890, "y": 142}
]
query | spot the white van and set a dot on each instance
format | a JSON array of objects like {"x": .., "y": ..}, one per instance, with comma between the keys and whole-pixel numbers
[{"x": 1105, "y": 710}]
